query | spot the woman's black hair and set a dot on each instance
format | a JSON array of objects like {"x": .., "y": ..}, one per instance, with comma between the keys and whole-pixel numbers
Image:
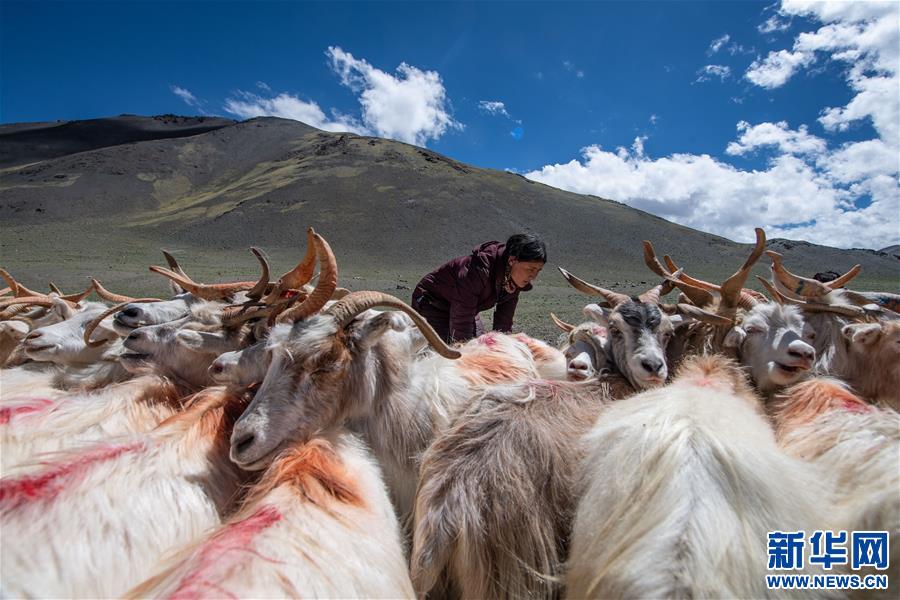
[{"x": 526, "y": 247}]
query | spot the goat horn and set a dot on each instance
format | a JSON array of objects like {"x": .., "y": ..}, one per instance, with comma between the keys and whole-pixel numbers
[
  {"x": 105, "y": 294},
  {"x": 38, "y": 300},
  {"x": 773, "y": 290},
  {"x": 206, "y": 291},
  {"x": 79, "y": 296},
  {"x": 324, "y": 288},
  {"x": 613, "y": 299},
  {"x": 731, "y": 289},
  {"x": 173, "y": 264},
  {"x": 883, "y": 299},
  {"x": 689, "y": 310},
  {"x": 18, "y": 289},
  {"x": 345, "y": 309},
  {"x": 300, "y": 275},
  {"x": 260, "y": 288},
  {"x": 695, "y": 293},
  {"x": 845, "y": 310},
  {"x": 804, "y": 286},
  {"x": 567, "y": 327},
  {"x": 55, "y": 289},
  {"x": 96, "y": 322}
]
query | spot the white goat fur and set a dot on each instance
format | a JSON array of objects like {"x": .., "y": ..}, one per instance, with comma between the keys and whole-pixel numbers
[
  {"x": 318, "y": 525},
  {"x": 80, "y": 418},
  {"x": 397, "y": 401},
  {"x": 855, "y": 445},
  {"x": 92, "y": 522},
  {"x": 682, "y": 483}
]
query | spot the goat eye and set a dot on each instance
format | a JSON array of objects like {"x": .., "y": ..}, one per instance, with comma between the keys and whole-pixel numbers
[{"x": 753, "y": 330}]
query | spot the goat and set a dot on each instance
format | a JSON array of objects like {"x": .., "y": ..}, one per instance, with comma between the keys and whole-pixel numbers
[
  {"x": 680, "y": 485},
  {"x": 319, "y": 524},
  {"x": 495, "y": 499},
  {"x": 855, "y": 445},
  {"x": 331, "y": 368},
  {"x": 46, "y": 423},
  {"x": 584, "y": 345},
  {"x": 873, "y": 366},
  {"x": 110, "y": 497}
]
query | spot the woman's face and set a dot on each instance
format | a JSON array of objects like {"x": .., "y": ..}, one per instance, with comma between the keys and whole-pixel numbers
[{"x": 523, "y": 272}]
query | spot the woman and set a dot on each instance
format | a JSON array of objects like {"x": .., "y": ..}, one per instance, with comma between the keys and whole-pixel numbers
[{"x": 451, "y": 296}]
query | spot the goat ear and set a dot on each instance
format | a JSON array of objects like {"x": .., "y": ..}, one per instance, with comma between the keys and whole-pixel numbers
[
  {"x": 62, "y": 309},
  {"x": 15, "y": 329},
  {"x": 735, "y": 337},
  {"x": 863, "y": 334},
  {"x": 680, "y": 320},
  {"x": 595, "y": 312},
  {"x": 367, "y": 332},
  {"x": 204, "y": 341}
]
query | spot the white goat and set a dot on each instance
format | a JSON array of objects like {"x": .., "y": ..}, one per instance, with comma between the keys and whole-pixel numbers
[
  {"x": 318, "y": 525},
  {"x": 126, "y": 501},
  {"x": 682, "y": 484}
]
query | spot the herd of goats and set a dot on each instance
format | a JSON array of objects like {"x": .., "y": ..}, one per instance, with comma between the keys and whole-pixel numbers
[{"x": 285, "y": 438}]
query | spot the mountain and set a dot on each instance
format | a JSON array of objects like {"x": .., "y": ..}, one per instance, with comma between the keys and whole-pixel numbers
[
  {"x": 24, "y": 143},
  {"x": 391, "y": 211}
]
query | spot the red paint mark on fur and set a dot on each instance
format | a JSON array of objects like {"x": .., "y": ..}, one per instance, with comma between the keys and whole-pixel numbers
[
  {"x": 599, "y": 331},
  {"x": 855, "y": 405},
  {"x": 32, "y": 406},
  {"x": 227, "y": 545},
  {"x": 46, "y": 484},
  {"x": 488, "y": 339},
  {"x": 704, "y": 382}
]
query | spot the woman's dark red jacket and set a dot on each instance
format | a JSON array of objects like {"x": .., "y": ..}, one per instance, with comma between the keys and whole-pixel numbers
[{"x": 467, "y": 285}]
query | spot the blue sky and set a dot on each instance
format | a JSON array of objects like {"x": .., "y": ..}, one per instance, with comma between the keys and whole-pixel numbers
[{"x": 718, "y": 115}]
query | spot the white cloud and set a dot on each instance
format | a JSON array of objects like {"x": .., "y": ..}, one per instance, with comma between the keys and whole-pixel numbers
[
  {"x": 707, "y": 72},
  {"x": 287, "y": 106},
  {"x": 704, "y": 193},
  {"x": 717, "y": 44},
  {"x": 185, "y": 95},
  {"x": 263, "y": 86},
  {"x": 813, "y": 186},
  {"x": 493, "y": 107},
  {"x": 778, "y": 135},
  {"x": 411, "y": 107},
  {"x": 774, "y": 24},
  {"x": 579, "y": 73},
  {"x": 654, "y": 119},
  {"x": 777, "y": 68}
]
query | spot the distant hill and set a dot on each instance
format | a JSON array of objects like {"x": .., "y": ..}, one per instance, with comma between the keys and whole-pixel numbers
[
  {"x": 98, "y": 199},
  {"x": 24, "y": 143},
  {"x": 893, "y": 250}
]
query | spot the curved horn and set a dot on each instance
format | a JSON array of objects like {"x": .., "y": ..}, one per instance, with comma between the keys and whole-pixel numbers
[
  {"x": 689, "y": 310},
  {"x": 206, "y": 291},
  {"x": 347, "y": 308},
  {"x": 299, "y": 275},
  {"x": 109, "y": 296},
  {"x": 96, "y": 322},
  {"x": 80, "y": 296},
  {"x": 38, "y": 300},
  {"x": 567, "y": 327},
  {"x": 731, "y": 289},
  {"x": 613, "y": 299},
  {"x": 173, "y": 264},
  {"x": 55, "y": 289},
  {"x": 882, "y": 299},
  {"x": 260, "y": 288},
  {"x": 845, "y": 310},
  {"x": 5, "y": 291},
  {"x": 804, "y": 286},
  {"x": 324, "y": 288},
  {"x": 695, "y": 293},
  {"x": 18, "y": 289}
]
